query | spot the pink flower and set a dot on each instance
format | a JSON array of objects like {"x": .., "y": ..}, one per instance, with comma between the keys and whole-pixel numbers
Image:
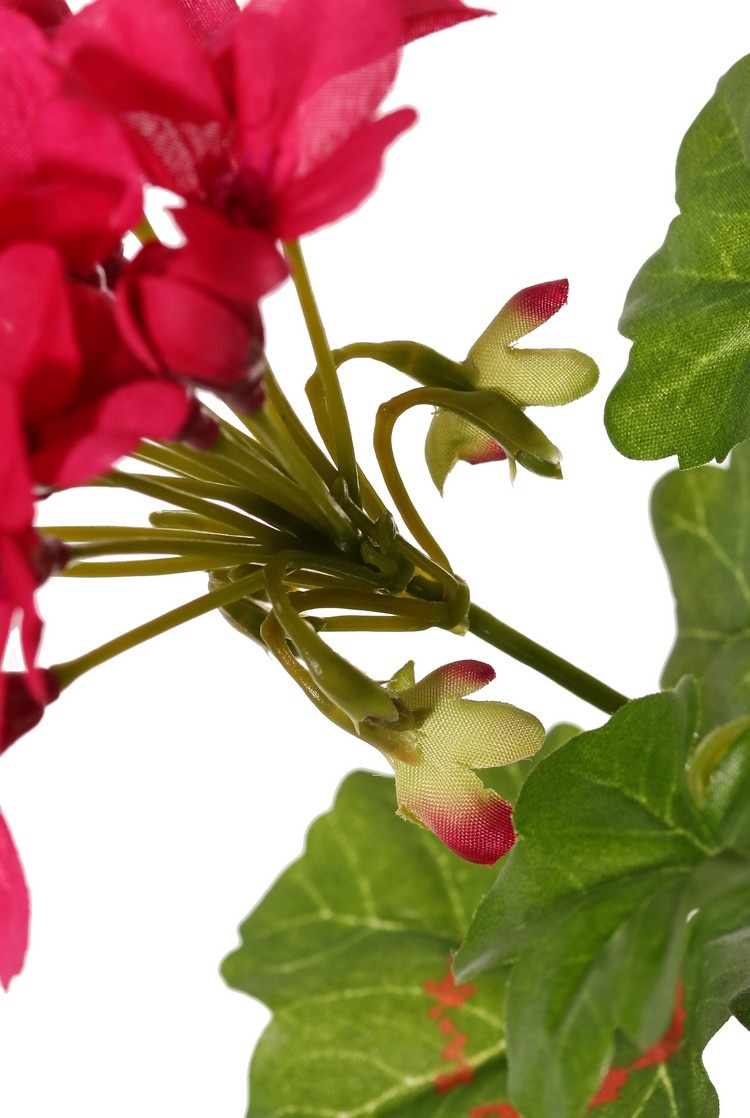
[
  {"x": 273, "y": 120},
  {"x": 14, "y": 908},
  {"x": 435, "y": 756}
]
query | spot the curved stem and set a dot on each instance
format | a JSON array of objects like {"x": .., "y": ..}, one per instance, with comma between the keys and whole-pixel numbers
[
  {"x": 276, "y": 642},
  {"x": 339, "y": 419},
  {"x": 385, "y": 420},
  {"x": 487, "y": 627}
]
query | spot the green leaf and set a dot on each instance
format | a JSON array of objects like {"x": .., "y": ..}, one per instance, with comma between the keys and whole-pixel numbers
[
  {"x": 351, "y": 949},
  {"x": 685, "y": 389},
  {"x": 701, "y": 523},
  {"x": 613, "y": 856}
]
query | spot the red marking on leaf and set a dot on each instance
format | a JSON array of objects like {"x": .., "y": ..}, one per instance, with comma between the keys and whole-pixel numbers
[
  {"x": 445, "y": 992},
  {"x": 446, "y": 1081},
  {"x": 494, "y": 1110},
  {"x": 613, "y": 1082},
  {"x": 665, "y": 1048},
  {"x": 659, "y": 1053},
  {"x": 454, "y": 1049}
]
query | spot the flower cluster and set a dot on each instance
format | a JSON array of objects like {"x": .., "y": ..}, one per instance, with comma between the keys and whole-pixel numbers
[{"x": 265, "y": 123}]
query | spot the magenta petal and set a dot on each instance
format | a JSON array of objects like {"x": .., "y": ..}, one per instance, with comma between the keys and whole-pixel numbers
[
  {"x": 89, "y": 441},
  {"x": 14, "y": 908},
  {"x": 44, "y": 13},
  {"x": 422, "y": 17},
  {"x": 142, "y": 58},
  {"x": 207, "y": 18},
  {"x": 342, "y": 183},
  {"x": 239, "y": 265}
]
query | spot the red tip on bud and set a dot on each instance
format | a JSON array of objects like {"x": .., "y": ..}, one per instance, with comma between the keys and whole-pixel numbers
[
  {"x": 473, "y": 673},
  {"x": 542, "y": 300},
  {"x": 21, "y": 710}
]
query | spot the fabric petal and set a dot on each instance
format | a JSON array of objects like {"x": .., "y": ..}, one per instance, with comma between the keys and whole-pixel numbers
[
  {"x": 450, "y": 439},
  {"x": 524, "y": 312},
  {"x": 546, "y": 377},
  {"x": 472, "y": 821},
  {"x": 240, "y": 265},
  {"x": 422, "y": 17},
  {"x": 309, "y": 73},
  {"x": 14, "y": 908},
  {"x": 529, "y": 376},
  {"x": 142, "y": 58},
  {"x": 89, "y": 440},
  {"x": 450, "y": 681},
  {"x": 44, "y": 13},
  {"x": 341, "y": 183}
]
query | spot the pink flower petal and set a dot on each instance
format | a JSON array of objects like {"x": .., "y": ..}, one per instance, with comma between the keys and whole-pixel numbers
[
  {"x": 422, "y": 17},
  {"x": 340, "y": 184},
  {"x": 86, "y": 442},
  {"x": 14, "y": 908}
]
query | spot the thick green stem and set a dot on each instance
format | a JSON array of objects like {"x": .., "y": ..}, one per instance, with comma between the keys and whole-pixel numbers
[
  {"x": 343, "y": 449},
  {"x": 483, "y": 625},
  {"x": 73, "y": 669}
]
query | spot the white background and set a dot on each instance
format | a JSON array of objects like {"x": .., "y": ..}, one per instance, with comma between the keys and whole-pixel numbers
[{"x": 161, "y": 796}]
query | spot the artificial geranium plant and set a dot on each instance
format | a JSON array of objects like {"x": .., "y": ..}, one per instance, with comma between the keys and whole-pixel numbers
[{"x": 530, "y": 919}]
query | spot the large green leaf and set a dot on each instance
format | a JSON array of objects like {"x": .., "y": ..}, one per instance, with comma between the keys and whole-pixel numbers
[
  {"x": 702, "y": 523},
  {"x": 686, "y": 389},
  {"x": 351, "y": 950},
  {"x": 671, "y": 1081},
  {"x": 595, "y": 896}
]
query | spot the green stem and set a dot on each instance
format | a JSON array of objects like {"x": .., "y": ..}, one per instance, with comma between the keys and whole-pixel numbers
[
  {"x": 161, "y": 490},
  {"x": 132, "y": 568},
  {"x": 483, "y": 625},
  {"x": 385, "y": 420},
  {"x": 339, "y": 419},
  {"x": 283, "y": 416},
  {"x": 215, "y": 599},
  {"x": 300, "y": 470},
  {"x": 276, "y": 641}
]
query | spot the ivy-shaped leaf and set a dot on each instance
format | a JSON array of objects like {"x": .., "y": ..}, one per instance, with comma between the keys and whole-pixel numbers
[
  {"x": 612, "y": 858},
  {"x": 351, "y": 949},
  {"x": 702, "y": 524},
  {"x": 686, "y": 389}
]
